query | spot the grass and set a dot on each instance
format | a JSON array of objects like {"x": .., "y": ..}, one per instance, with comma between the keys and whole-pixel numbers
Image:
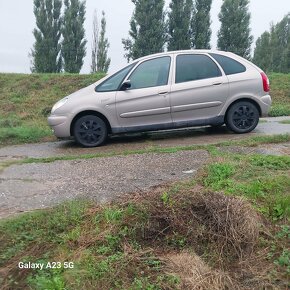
[
  {"x": 234, "y": 217},
  {"x": 26, "y": 100},
  {"x": 280, "y": 92},
  {"x": 286, "y": 122}
]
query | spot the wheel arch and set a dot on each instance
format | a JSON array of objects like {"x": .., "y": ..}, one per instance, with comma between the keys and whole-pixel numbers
[
  {"x": 244, "y": 100},
  {"x": 90, "y": 112}
]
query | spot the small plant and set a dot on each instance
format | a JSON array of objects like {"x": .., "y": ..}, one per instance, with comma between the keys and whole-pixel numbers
[
  {"x": 218, "y": 175},
  {"x": 47, "y": 281},
  {"x": 284, "y": 260}
]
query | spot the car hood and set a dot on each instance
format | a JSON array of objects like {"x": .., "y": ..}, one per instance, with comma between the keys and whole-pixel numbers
[{"x": 85, "y": 91}]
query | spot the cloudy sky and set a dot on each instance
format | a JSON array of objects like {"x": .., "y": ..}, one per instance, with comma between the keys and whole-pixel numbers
[{"x": 17, "y": 22}]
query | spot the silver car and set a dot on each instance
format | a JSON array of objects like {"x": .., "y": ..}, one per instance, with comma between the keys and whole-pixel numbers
[{"x": 166, "y": 91}]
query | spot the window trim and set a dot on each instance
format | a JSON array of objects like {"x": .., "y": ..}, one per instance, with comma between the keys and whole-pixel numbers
[
  {"x": 197, "y": 54},
  {"x": 150, "y": 59}
]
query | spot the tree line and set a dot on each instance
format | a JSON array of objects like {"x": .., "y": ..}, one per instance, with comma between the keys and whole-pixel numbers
[
  {"x": 60, "y": 43},
  {"x": 187, "y": 26},
  {"x": 272, "y": 52}
]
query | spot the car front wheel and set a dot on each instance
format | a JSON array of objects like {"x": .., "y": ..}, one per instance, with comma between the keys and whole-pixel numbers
[
  {"x": 90, "y": 131},
  {"x": 242, "y": 117}
]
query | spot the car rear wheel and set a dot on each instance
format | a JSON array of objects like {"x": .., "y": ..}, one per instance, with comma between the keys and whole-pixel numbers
[
  {"x": 242, "y": 117},
  {"x": 90, "y": 131}
]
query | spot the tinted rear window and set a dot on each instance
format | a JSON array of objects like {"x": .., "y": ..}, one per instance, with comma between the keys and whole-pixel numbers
[
  {"x": 229, "y": 65},
  {"x": 191, "y": 67}
]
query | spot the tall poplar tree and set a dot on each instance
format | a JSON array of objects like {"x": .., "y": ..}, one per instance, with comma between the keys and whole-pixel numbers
[
  {"x": 179, "y": 25},
  {"x": 200, "y": 24},
  {"x": 103, "y": 61},
  {"x": 46, "y": 49},
  {"x": 147, "y": 29},
  {"x": 95, "y": 41},
  {"x": 234, "y": 34},
  {"x": 73, "y": 45},
  {"x": 262, "y": 53}
]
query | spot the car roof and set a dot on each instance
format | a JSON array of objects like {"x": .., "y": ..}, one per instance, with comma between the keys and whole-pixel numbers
[{"x": 197, "y": 51}]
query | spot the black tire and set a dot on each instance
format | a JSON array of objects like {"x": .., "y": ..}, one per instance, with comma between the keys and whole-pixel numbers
[
  {"x": 90, "y": 131},
  {"x": 242, "y": 117}
]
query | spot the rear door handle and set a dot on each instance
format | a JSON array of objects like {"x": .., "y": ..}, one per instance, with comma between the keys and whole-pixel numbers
[{"x": 163, "y": 93}]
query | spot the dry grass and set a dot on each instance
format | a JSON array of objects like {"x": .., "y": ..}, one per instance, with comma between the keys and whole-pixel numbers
[
  {"x": 207, "y": 221},
  {"x": 197, "y": 275}
]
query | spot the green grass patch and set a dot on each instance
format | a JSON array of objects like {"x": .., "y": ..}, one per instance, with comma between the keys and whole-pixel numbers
[
  {"x": 218, "y": 175},
  {"x": 270, "y": 162},
  {"x": 280, "y": 93},
  {"x": 263, "y": 179},
  {"x": 286, "y": 122},
  {"x": 30, "y": 97},
  {"x": 279, "y": 110},
  {"x": 23, "y": 134}
]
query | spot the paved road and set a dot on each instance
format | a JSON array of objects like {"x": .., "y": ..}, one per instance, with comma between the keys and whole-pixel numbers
[{"x": 32, "y": 186}]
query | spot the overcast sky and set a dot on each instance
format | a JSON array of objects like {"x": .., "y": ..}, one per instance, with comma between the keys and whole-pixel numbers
[{"x": 17, "y": 22}]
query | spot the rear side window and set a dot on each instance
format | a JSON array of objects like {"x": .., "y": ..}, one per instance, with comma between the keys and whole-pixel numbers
[
  {"x": 229, "y": 65},
  {"x": 191, "y": 67}
]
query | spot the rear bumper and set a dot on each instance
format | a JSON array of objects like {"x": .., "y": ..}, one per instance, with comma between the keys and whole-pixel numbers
[
  {"x": 60, "y": 125},
  {"x": 265, "y": 105}
]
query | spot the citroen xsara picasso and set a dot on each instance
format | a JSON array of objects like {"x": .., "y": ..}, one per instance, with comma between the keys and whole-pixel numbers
[{"x": 166, "y": 91}]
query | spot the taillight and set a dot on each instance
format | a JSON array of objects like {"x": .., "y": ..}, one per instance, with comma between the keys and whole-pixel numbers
[{"x": 266, "y": 82}]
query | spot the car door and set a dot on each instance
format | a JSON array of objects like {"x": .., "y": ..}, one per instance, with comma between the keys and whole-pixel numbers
[
  {"x": 146, "y": 104},
  {"x": 199, "y": 89}
]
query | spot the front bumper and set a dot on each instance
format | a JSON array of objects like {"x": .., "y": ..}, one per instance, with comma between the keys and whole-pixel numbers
[{"x": 60, "y": 125}]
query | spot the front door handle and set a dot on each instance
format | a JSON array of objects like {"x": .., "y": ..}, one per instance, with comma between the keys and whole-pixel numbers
[
  {"x": 217, "y": 83},
  {"x": 163, "y": 93}
]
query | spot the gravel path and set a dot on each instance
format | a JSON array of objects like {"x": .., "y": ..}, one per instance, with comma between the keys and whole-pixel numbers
[{"x": 33, "y": 186}]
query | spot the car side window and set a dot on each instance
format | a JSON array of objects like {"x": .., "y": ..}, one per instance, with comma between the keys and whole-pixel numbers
[
  {"x": 229, "y": 65},
  {"x": 151, "y": 73},
  {"x": 191, "y": 67},
  {"x": 114, "y": 82}
]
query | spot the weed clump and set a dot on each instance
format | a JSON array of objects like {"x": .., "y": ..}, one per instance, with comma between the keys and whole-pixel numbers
[{"x": 227, "y": 225}]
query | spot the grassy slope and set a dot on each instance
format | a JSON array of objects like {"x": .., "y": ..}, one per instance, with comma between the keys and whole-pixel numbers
[
  {"x": 130, "y": 244},
  {"x": 280, "y": 92},
  {"x": 26, "y": 100}
]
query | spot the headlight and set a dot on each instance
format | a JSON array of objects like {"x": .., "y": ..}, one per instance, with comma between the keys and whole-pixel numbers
[{"x": 58, "y": 105}]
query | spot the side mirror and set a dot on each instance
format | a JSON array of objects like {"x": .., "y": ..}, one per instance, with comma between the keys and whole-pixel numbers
[{"x": 125, "y": 86}]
